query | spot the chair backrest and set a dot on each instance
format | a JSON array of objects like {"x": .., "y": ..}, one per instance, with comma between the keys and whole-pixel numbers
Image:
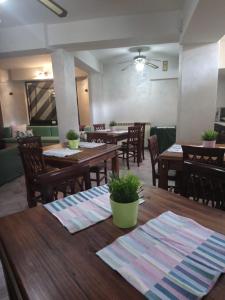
[
  {"x": 204, "y": 182},
  {"x": 99, "y": 137},
  {"x": 99, "y": 126},
  {"x": 60, "y": 180},
  {"x": 153, "y": 148},
  {"x": 142, "y": 129},
  {"x": 30, "y": 149},
  {"x": 134, "y": 135},
  {"x": 212, "y": 156}
]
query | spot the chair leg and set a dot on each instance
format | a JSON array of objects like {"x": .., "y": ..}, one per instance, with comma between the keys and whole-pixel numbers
[
  {"x": 98, "y": 178},
  {"x": 105, "y": 171},
  {"x": 30, "y": 199},
  {"x": 128, "y": 163},
  {"x": 143, "y": 152}
]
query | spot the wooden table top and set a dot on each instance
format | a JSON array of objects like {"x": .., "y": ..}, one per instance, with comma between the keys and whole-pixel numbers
[
  {"x": 85, "y": 155},
  {"x": 179, "y": 155},
  {"x": 50, "y": 263}
]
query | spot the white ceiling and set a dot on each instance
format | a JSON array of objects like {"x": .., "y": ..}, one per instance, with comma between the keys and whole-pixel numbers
[
  {"x": 107, "y": 55},
  {"x": 17, "y": 12}
]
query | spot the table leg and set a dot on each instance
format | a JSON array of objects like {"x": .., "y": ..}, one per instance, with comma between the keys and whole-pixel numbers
[
  {"x": 163, "y": 174},
  {"x": 115, "y": 164}
]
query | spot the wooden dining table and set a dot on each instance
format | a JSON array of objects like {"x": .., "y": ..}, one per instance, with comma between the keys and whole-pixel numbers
[
  {"x": 114, "y": 135},
  {"x": 172, "y": 161},
  {"x": 86, "y": 156},
  {"x": 43, "y": 261}
]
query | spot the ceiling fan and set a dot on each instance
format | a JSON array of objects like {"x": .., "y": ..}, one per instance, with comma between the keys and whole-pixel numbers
[
  {"x": 54, "y": 7},
  {"x": 140, "y": 60}
]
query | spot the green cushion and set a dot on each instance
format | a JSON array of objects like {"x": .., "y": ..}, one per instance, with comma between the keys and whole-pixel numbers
[
  {"x": 11, "y": 164},
  {"x": 40, "y": 130},
  {"x": 54, "y": 131},
  {"x": 166, "y": 136},
  {"x": 7, "y": 132},
  {"x": 10, "y": 140},
  {"x": 50, "y": 139}
]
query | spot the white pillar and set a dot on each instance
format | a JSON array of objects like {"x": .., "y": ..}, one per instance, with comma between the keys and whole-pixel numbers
[
  {"x": 65, "y": 91},
  {"x": 198, "y": 91}
]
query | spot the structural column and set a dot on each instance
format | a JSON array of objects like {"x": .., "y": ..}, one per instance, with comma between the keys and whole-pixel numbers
[
  {"x": 198, "y": 81},
  {"x": 65, "y": 92}
]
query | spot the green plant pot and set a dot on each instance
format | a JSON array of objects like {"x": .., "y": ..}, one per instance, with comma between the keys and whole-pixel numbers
[
  {"x": 124, "y": 214},
  {"x": 73, "y": 144}
]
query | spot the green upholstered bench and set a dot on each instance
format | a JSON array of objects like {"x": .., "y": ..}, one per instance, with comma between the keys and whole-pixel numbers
[
  {"x": 11, "y": 164},
  {"x": 49, "y": 134}
]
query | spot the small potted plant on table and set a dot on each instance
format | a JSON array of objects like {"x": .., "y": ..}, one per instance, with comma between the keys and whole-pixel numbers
[
  {"x": 112, "y": 125},
  {"x": 73, "y": 139},
  {"x": 124, "y": 200},
  {"x": 209, "y": 138}
]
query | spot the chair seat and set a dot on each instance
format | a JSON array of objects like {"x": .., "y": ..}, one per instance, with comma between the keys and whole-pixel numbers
[
  {"x": 124, "y": 147},
  {"x": 97, "y": 168}
]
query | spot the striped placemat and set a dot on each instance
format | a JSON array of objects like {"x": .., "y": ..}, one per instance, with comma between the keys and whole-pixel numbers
[
  {"x": 83, "y": 209},
  {"x": 170, "y": 257}
]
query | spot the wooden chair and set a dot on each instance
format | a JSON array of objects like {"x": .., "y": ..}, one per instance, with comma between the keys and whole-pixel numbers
[
  {"x": 99, "y": 127},
  {"x": 100, "y": 170},
  {"x": 132, "y": 148},
  {"x": 30, "y": 149},
  {"x": 212, "y": 156},
  {"x": 62, "y": 181},
  {"x": 153, "y": 148},
  {"x": 204, "y": 182},
  {"x": 142, "y": 129}
]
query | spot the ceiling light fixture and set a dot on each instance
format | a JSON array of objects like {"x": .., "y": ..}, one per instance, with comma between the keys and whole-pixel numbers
[
  {"x": 2, "y": 1},
  {"x": 54, "y": 7},
  {"x": 140, "y": 63}
]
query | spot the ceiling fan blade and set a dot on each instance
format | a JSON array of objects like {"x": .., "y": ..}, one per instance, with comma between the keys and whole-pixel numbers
[
  {"x": 151, "y": 65},
  {"x": 54, "y": 7},
  {"x": 154, "y": 59},
  {"x": 124, "y": 62},
  {"x": 126, "y": 67}
]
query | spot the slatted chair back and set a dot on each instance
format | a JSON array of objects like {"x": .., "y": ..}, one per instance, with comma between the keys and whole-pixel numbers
[
  {"x": 204, "y": 182},
  {"x": 99, "y": 127},
  {"x": 153, "y": 148},
  {"x": 142, "y": 130},
  {"x": 62, "y": 180},
  {"x": 212, "y": 156},
  {"x": 99, "y": 137},
  {"x": 134, "y": 135},
  {"x": 30, "y": 149}
]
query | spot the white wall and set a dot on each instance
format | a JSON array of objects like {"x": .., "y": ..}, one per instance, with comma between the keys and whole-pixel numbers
[
  {"x": 198, "y": 91},
  {"x": 221, "y": 91},
  {"x": 131, "y": 96}
]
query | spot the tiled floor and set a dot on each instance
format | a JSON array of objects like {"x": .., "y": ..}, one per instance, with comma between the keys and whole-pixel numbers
[{"x": 13, "y": 199}]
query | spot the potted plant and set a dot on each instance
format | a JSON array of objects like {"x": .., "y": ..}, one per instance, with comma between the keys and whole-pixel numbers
[
  {"x": 73, "y": 139},
  {"x": 112, "y": 125},
  {"x": 209, "y": 138},
  {"x": 124, "y": 200}
]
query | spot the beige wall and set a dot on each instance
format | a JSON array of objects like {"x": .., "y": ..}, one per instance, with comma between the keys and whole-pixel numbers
[
  {"x": 83, "y": 101},
  {"x": 14, "y": 109}
]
